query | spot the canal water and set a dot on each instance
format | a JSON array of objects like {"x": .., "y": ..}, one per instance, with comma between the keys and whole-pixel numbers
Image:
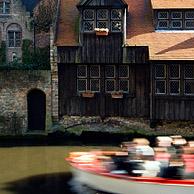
[{"x": 40, "y": 170}]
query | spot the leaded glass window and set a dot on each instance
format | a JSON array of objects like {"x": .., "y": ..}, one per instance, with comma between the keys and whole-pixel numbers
[
  {"x": 88, "y": 78},
  {"x": 94, "y": 71},
  {"x": 189, "y": 72},
  {"x": 174, "y": 71},
  {"x": 102, "y": 14},
  {"x": 176, "y": 24},
  {"x": 110, "y": 71},
  {"x": 116, "y": 14},
  {"x": 88, "y": 14},
  {"x": 95, "y": 85},
  {"x": 160, "y": 86},
  {"x": 123, "y": 71},
  {"x": 175, "y": 20},
  {"x": 163, "y": 24},
  {"x": 110, "y": 85},
  {"x": 176, "y": 15},
  {"x": 189, "y": 87},
  {"x": 116, "y": 26},
  {"x": 189, "y": 14},
  {"x": 160, "y": 76},
  {"x": 124, "y": 85},
  {"x": 115, "y": 78},
  {"x": 174, "y": 87},
  {"x": 88, "y": 26},
  {"x": 82, "y": 85},
  {"x": 82, "y": 71},
  {"x": 163, "y": 15},
  {"x": 174, "y": 79},
  {"x": 189, "y": 24},
  {"x": 110, "y": 19},
  {"x": 160, "y": 71},
  {"x": 102, "y": 24}
]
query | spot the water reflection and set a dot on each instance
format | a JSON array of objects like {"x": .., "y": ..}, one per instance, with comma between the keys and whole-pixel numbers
[{"x": 40, "y": 170}]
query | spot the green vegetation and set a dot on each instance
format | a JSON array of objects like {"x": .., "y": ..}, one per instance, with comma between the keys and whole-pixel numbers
[
  {"x": 32, "y": 59},
  {"x": 3, "y": 53}
]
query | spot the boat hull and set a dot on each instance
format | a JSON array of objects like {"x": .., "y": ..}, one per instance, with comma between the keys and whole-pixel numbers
[{"x": 120, "y": 186}]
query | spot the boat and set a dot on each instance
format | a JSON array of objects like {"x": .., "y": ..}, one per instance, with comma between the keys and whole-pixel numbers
[{"x": 87, "y": 168}]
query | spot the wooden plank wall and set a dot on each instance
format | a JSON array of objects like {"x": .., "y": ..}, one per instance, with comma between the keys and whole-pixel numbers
[
  {"x": 102, "y": 49},
  {"x": 102, "y": 104},
  {"x": 174, "y": 108},
  {"x": 136, "y": 54},
  {"x": 68, "y": 54}
]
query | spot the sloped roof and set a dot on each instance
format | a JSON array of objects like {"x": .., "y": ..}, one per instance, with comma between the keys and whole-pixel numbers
[
  {"x": 115, "y": 3},
  {"x": 68, "y": 24},
  {"x": 140, "y": 31},
  {"x": 172, "y": 4},
  {"x": 162, "y": 45}
]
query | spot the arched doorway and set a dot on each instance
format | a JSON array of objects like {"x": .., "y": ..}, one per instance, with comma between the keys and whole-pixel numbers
[{"x": 36, "y": 100}]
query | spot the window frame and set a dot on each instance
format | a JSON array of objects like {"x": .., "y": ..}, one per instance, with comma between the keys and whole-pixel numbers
[
  {"x": 183, "y": 19},
  {"x": 103, "y": 79},
  {"x": 108, "y": 20},
  {"x": 15, "y": 39},
  {"x": 5, "y": 7},
  {"x": 181, "y": 79}
]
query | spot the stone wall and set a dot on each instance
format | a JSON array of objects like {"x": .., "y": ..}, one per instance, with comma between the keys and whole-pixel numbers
[
  {"x": 18, "y": 15},
  {"x": 14, "y": 88}
]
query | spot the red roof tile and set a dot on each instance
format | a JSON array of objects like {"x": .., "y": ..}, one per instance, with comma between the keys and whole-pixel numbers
[
  {"x": 68, "y": 19},
  {"x": 162, "y": 45},
  {"x": 172, "y": 4},
  {"x": 140, "y": 31}
]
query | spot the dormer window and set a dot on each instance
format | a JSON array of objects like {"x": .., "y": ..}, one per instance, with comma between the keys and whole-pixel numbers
[
  {"x": 175, "y": 20},
  {"x": 102, "y": 18},
  {"x": 4, "y": 7}
]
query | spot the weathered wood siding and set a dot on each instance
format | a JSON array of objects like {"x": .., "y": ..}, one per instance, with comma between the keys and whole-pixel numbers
[
  {"x": 102, "y": 49},
  {"x": 136, "y": 54},
  {"x": 174, "y": 108},
  {"x": 102, "y": 104},
  {"x": 68, "y": 54}
]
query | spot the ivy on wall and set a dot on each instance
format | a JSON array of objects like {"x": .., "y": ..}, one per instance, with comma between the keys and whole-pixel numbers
[
  {"x": 3, "y": 53},
  {"x": 37, "y": 59},
  {"x": 27, "y": 51}
]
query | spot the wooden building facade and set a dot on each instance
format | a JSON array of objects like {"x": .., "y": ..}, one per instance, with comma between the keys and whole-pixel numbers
[{"x": 123, "y": 58}]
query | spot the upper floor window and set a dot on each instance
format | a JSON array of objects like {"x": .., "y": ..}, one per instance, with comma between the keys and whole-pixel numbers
[
  {"x": 175, "y": 20},
  {"x": 14, "y": 34},
  {"x": 4, "y": 7},
  {"x": 102, "y": 18}
]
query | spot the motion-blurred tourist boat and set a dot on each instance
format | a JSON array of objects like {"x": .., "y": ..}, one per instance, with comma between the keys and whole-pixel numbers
[{"x": 88, "y": 169}]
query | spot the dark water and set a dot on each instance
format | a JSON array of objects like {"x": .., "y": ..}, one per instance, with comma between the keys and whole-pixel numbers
[{"x": 40, "y": 170}]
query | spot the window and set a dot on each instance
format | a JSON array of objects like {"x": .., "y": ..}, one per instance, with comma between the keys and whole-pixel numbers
[
  {"x": 102, "y": 18},
  {"x": 4, "y": 7},
  {"x": 115, "y": 78},
  {"x": 88, "y": 78},
  {"x": 175, "y": 20},
  {"x": 189, "y": 80},
  {"x": 14, "y": 34},
  {"x": 174, "y": 79},
  {"x": 167, "y": 79},
  {"x": 160, "y": 82}
]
